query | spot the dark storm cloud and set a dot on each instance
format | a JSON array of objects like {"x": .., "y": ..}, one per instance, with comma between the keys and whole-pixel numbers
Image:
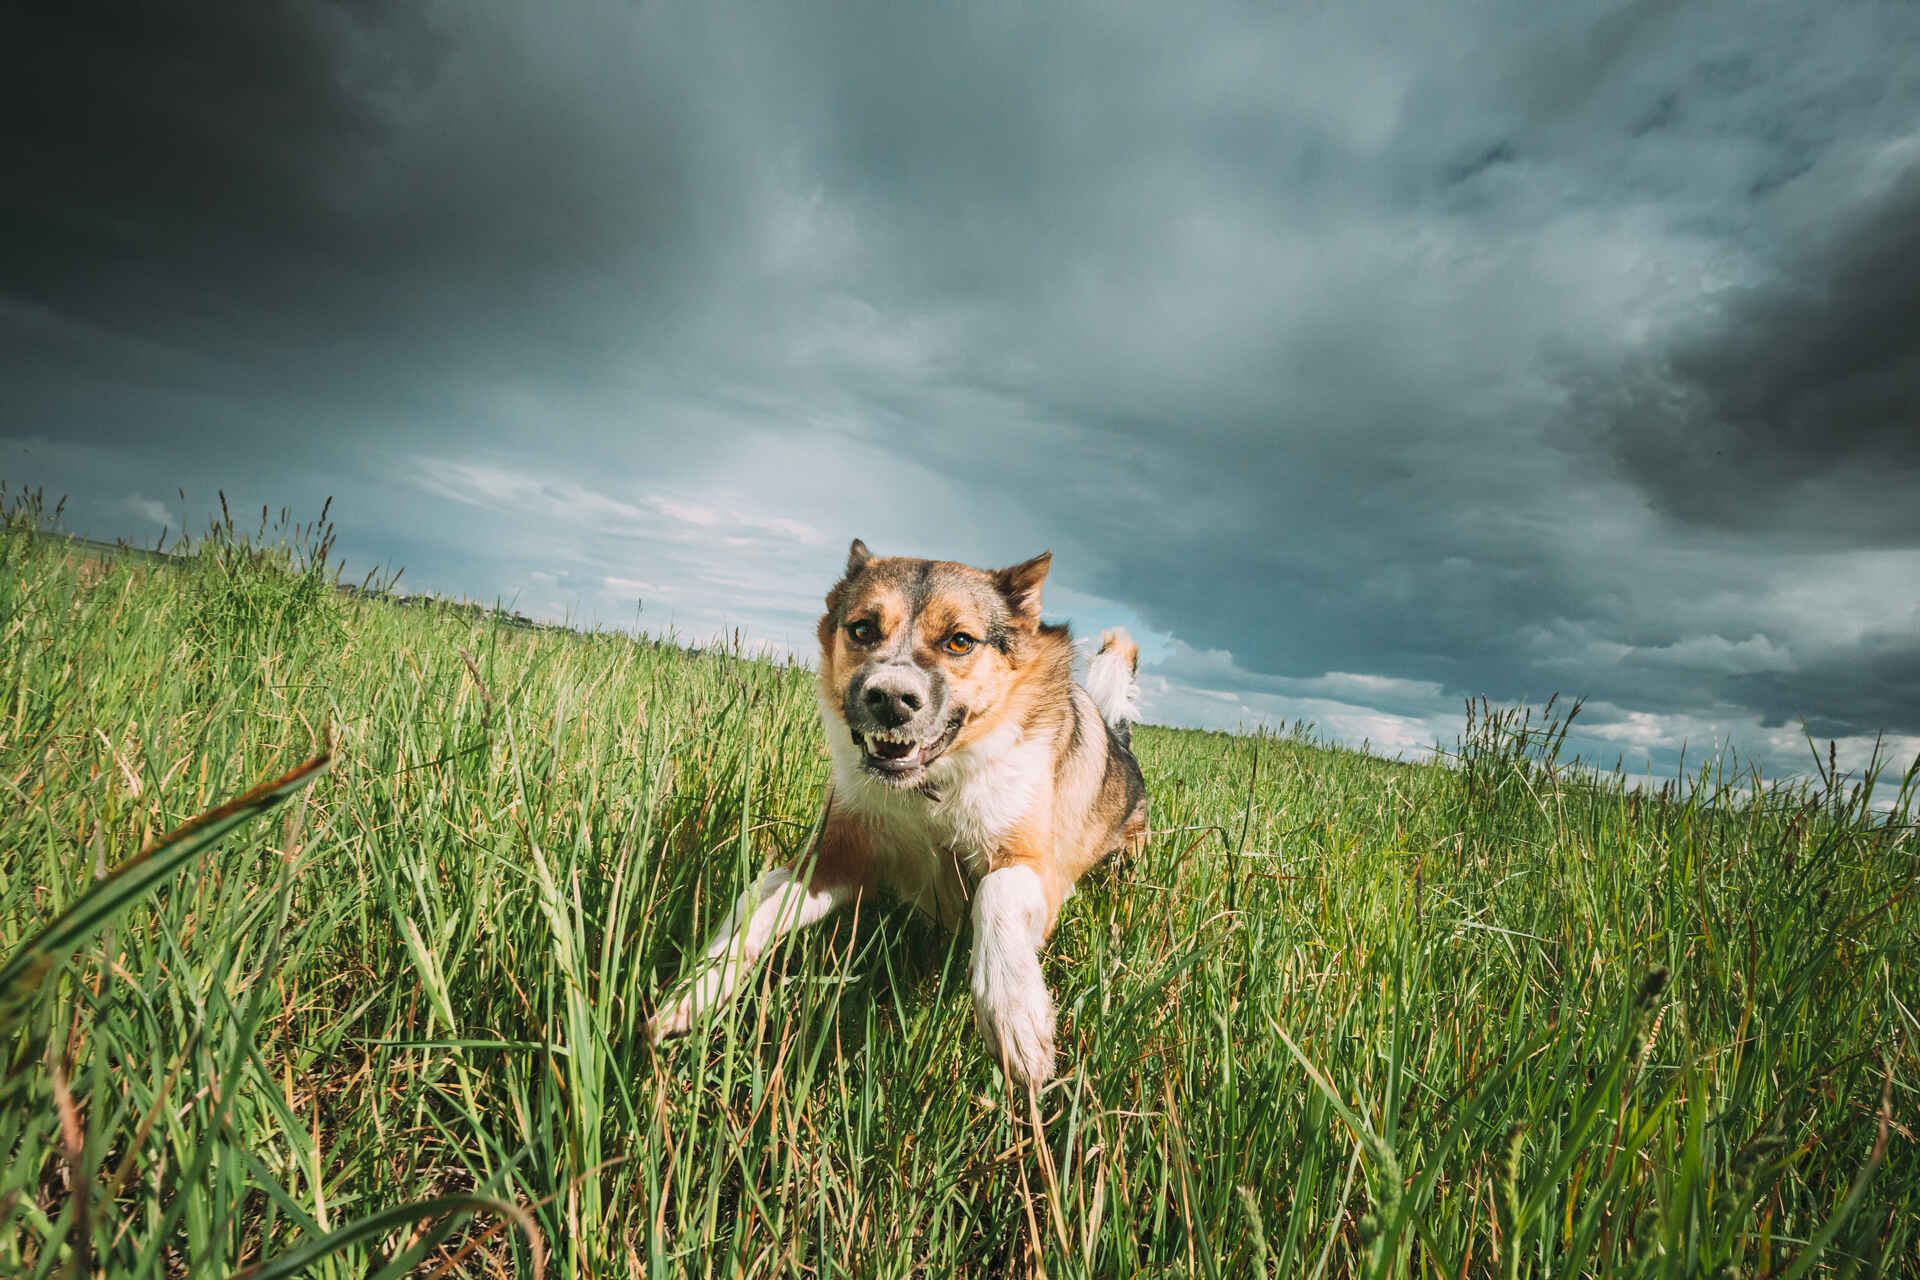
[
  {"x": 1873, "y": 685},
  {"x": 1372, "y": 356},
  {"x": 164, "y": 156},
  {"x": 365, "y": 204},
  {"x": 1792, "y": 409},
  {"x": 1369, "y": 466}
]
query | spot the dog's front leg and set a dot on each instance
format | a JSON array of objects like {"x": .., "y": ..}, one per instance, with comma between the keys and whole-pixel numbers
[
  {"x": 1011, "y": 1004},
  {"x": 776, "y": 904}
]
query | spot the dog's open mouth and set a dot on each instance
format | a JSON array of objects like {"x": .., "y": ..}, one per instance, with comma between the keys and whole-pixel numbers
[{"x": 892, "y": 753}]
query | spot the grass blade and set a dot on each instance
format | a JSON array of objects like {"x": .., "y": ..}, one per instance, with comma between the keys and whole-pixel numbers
[
  {"x": 21, "y": 975},
  {"x": 377, "y": 1225}
]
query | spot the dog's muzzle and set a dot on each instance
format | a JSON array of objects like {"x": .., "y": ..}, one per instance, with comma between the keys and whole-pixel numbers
[{"x": 899, "y": 719}]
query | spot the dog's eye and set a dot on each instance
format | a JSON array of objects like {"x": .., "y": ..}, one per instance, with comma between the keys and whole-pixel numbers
[
  {"x": 960, "y": 642},
  {"x": 863, "y": 632}
]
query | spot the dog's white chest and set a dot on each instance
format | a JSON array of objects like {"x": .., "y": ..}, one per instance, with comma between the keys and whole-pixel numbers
[
  {"x": 939, "y": 839},
  {"x": 979, "y": 793}
]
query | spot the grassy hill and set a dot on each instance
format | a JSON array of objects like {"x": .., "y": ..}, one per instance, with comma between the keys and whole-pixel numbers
[{"x": 1345, "y": 1016}]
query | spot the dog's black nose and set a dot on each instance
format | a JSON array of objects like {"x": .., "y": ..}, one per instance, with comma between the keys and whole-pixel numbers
[
  {"x": 890, "y": 694},
  {"x": 891, "y": 707}
]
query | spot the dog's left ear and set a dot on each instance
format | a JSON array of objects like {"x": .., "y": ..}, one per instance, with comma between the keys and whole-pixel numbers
[{"x": 1021, "y": 584}]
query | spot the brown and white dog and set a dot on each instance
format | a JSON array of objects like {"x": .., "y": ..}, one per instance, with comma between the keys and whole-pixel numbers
[{"x": 971, "y": 776}]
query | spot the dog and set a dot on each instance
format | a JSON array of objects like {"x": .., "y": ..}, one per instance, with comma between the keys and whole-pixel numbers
[{"x": 972, "y": 777}]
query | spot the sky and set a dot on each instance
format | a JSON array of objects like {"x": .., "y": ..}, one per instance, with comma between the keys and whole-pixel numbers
[{"x": 1361, "y": 358}]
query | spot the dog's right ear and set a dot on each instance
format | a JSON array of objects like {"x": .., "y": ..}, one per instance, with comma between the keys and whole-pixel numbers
[{"x": 857, "y": 557}]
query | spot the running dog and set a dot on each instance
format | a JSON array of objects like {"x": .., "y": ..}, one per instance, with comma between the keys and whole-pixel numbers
[{"x": 971, "y": 776}]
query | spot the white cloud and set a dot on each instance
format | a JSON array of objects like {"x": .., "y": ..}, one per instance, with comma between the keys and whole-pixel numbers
[{"x": 153, "y": 511}]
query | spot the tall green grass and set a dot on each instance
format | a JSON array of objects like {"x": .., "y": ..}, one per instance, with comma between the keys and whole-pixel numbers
[{"x": 1343, "y": 1016}]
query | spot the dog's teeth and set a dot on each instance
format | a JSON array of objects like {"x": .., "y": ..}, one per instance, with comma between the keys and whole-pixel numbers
[{"x": 896, "y": 747}]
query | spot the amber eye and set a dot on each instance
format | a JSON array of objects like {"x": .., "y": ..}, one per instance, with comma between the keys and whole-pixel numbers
[
  {"x": 863, "y": 632},
  {"x": 960, "y": 642}
]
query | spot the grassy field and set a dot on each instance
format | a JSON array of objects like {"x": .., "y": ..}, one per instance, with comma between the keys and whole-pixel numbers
[{"x": 1344, "y": 1016}]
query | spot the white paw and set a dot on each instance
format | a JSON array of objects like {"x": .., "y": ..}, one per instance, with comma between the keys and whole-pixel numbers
[
  {"x": 1015, "y": 1016},
  {"x": 679, "y": 1015},
  {"x": 710, "y": 988},
  {"x": 674, "y": 1020}
]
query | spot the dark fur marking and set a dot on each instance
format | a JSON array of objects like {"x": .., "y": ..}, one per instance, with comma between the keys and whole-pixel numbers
[
  {"x": 1074, "y": 735},
  {"x": 1119, "y": 757},
  {"x": 999, "y": 632},
  {"x": 919, "y": 592}
]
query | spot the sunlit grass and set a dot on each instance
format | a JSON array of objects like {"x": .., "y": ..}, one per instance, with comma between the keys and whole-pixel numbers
[{"x": 1343, "y": 1016}]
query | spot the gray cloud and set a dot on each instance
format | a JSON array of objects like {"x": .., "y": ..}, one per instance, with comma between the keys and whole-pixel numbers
[
  {"x": 1873, "y": 685},
  {"x": 1489, "y": 349}
]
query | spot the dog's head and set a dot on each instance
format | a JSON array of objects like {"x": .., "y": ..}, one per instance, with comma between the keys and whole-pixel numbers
[{"x": 918, "y": 657}]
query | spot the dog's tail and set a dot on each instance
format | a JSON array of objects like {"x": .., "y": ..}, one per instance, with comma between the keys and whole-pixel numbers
[{"x": 1111, "y": 681}]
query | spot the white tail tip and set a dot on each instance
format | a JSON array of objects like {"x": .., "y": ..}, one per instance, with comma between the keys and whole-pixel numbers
[{"x": 1110, "y": 680}]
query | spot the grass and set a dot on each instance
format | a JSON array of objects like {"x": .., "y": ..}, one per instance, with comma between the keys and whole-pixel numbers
[{"x": 1344, "y": 1016}]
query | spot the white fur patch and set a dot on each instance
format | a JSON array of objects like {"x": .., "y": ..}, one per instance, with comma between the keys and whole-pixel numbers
[
  {"x": 1011, "y": 1004},
  {"x": 1114, "y": 689}
]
